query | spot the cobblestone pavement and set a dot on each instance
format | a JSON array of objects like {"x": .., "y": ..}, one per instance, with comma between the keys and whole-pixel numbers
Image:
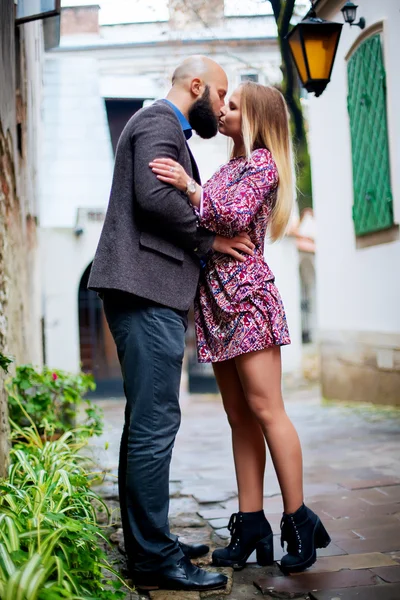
[{"x": 352, "y": 480}]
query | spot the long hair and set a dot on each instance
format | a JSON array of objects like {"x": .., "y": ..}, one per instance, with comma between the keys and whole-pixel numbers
[{"x": 265, "y": 124}]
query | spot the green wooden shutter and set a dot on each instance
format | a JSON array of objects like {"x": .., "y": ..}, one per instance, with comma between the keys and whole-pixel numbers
[{"x": 373, "y": 207}]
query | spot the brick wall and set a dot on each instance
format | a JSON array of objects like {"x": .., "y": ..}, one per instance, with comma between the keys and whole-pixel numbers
[
  {"x": 79, "y": 20},
  {"x": 20, "y": 62}
]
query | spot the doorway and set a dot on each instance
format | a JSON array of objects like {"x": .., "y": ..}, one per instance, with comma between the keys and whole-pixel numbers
[{"x": 97, "y": 349}]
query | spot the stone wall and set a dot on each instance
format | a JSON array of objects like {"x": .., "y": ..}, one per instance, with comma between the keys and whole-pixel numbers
[
  {"x": 185, "y": 13},
  {"x": 361, "y": 366},
  {"x": 20, "y": 66}
]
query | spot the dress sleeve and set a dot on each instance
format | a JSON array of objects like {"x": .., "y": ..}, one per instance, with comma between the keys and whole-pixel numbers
[{"x": 229, "y": 208}]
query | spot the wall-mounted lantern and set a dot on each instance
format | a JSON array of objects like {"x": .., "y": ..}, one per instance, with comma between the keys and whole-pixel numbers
[
  {"x": 349, "y": 11},
  {"x": 313, "y": 43}
]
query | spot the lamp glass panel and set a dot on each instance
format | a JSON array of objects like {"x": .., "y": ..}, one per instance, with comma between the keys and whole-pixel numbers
[
  {"x": 320, "y": 49},
  {"x": 297, "y": 50},
  {"x": 350, "y": 13},
  {"x": 30, "y": 8}
]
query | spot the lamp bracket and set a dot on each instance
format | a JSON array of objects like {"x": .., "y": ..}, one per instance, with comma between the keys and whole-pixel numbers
[{"x": 360, "y": 24}]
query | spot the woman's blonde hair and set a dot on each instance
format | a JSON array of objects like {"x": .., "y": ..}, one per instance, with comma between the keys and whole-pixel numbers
[{"x": 265, "y": 124}]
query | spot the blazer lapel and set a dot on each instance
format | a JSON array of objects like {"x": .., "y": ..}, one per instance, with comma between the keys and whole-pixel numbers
[{"x": 196, "y": 174}]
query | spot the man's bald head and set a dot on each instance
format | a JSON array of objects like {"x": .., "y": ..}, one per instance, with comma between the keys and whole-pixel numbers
[
  {"x": 198, "y": 67},
  {"x": 199, "y": 87}
]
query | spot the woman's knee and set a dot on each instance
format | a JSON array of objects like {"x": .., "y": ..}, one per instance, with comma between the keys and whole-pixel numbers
[
  {"x": 239, "y": 414},
  {"x": 265, "y": 412}
]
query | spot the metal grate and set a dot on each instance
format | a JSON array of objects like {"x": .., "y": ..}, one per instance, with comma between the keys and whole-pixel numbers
[{"x": 372, "y": 208}]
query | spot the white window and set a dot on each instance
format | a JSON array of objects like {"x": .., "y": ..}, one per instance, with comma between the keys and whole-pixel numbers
[{"x": 251, "y": 76}]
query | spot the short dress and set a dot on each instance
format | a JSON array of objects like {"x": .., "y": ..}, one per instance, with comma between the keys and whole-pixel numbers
[{"x": 238, "y": 308}]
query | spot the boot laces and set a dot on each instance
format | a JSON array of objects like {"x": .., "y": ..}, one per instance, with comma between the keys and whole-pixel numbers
[
  {"x": 290, "y": 534},
  {"x": 233, "y": 527}
]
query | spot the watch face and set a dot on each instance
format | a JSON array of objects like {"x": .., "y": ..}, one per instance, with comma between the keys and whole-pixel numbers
[{"x": 191, "y": 187}]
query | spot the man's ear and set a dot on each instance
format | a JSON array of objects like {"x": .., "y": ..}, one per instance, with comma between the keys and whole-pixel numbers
[{"x": 196, "y": 87}]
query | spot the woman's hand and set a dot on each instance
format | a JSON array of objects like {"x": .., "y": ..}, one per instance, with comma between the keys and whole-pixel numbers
[
  {"x": 233, "y": 246},
  {"x": 171, "y": 172}
]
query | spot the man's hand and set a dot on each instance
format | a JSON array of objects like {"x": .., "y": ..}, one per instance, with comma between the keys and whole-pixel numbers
[{"x": 231, "y": 246}]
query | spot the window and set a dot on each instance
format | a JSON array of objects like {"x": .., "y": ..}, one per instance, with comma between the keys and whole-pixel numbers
[
  {"x": 249, "y": 77},
  {"x": 31, "y": 10},
  {"x": 372, "y": 204}
]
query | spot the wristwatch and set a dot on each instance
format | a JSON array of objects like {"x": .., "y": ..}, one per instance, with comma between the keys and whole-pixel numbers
[{"x": 190, "y": 187}]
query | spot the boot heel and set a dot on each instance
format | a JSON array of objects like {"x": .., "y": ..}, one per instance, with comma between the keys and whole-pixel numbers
[
  {"x": 265, "y": 551},
  {"x": 322, "y": 538}
]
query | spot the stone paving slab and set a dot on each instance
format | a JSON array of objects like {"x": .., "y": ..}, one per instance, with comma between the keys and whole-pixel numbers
[
  {"x": 356, "y": 523},
  {"x": 186, "y": 520},
  {"x": 351, "y": 476},
  {"x": 360, "y": 484},
  {"x": 218, "y": 523},
  {"x": 388, "y": 574},
  {"x": 376, "y": 496},
  {"x": 352, "y": 561},
  {"x": 381, "y": 592},
  {"x": 208, "y": 496},
  {"x": 389, "y": 543},
  {"x": 368, "y": 532},
  {"x": 306, "y": 582},
  {"x": 224, "y": 593},
  {"x": 173, "y": 595},
  {"x": 214, "y": 513}
]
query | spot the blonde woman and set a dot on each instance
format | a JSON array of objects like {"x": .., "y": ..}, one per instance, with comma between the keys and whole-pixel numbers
[{"x": 241, "y": 324}]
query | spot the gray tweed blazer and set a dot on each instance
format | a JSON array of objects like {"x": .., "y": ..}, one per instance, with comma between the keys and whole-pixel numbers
[{"x": 150, "y": 245}]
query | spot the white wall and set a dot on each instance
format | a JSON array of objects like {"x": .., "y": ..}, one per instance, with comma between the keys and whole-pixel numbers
[
  {"x": 77, "y": 156},
  {"x": 65, "y": 258},
  {"x": 283, "y": 258},
  {"x": 358, "y": 289},
  {"x": 77, "y": 169}
]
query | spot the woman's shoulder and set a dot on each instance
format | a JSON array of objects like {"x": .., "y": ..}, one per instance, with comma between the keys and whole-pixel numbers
[{"x": 261, "y": 158}]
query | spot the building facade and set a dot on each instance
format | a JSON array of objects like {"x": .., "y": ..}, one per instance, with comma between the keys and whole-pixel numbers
[
  {"x": 21, "y": 60},
  {"x": 355, "y": 152},
  {"x": 97, "y": 78}
]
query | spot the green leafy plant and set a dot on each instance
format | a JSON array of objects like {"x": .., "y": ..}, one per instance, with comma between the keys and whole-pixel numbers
[
  {"x": 52, "y": 399},
  {"x": 50, "y": 543},
  {"x": 5, "y": 362}
]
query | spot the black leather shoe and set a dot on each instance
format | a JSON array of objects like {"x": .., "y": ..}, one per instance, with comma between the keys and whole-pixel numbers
[
  {"x": 194, "y": 550},
  {"x": 182, "y": 576},
  {"x": 304, "y": 533},
  {"x": 250, "y": 531}
]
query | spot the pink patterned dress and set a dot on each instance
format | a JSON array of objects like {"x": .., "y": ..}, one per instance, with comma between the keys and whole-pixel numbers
[{"x": 238, "y": 308}]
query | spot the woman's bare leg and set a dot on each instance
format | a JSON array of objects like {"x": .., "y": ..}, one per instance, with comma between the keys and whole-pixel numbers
[
  {"x": 260, "y": 374},
  {"x": 247, "y": 438}
]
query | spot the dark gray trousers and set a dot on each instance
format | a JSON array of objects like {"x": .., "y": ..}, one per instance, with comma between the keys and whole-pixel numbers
[{"x": 150, "y": 345}]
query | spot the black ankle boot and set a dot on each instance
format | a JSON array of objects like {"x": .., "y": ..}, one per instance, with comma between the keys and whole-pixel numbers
[
  {"x": 250, "y": 531},
  {"x": 304, "y": 533}
]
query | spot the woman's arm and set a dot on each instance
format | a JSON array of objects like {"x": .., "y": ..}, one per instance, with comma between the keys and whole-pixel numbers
[
  {"x": 229, "y": 209},
  {"x": 225, "y": 210},
  {"x": 170, "y": 171}
]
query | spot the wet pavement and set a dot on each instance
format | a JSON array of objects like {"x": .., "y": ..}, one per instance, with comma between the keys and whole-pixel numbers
[{"x": 352, "y": 480}]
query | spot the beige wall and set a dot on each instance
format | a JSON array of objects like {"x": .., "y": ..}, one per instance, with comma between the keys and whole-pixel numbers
[
  {"x": 358, "y": 288},
  {"x": 20, "y": 329}
]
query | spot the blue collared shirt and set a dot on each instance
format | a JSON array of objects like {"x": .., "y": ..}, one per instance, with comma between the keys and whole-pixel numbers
[{"x": 186, "y": 127}]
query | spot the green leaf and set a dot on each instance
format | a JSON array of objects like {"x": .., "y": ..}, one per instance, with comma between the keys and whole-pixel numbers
[
  {"x": 5, "y": 362},
  {"x": 6, "y": 562},
  {"x": 30, "y": 572}
]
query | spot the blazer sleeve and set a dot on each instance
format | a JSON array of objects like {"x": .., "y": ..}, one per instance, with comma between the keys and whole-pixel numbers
[
  {"x": 228, "y": 210},
  {"x": 166, "y": 211}
]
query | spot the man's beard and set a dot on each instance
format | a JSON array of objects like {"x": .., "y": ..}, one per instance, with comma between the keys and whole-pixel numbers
[{"x": 202, "y": 117}]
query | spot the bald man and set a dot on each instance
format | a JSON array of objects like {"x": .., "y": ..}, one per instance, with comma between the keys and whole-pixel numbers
[{"x": 146, "y": 269}]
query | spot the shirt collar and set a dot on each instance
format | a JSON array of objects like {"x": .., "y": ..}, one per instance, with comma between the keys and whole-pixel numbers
[{"x": 186, "y": 127}]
